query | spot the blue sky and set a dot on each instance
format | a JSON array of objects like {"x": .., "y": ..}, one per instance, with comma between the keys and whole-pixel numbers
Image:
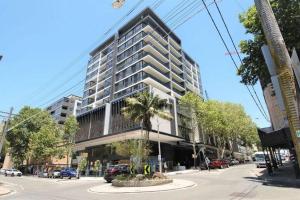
[{"x": 45, "y": 45}]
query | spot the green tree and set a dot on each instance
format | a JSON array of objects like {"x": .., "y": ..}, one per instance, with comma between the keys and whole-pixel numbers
[
  {"x": 145, "y": 106},
  {"x": 82, "y": 164},
  {"x": 29, "y": 121},
  {"x": 71, "y": 126},
  {"x": 46, "y": 143},
  {"x": 287, "y": 14},
  {"x": 141, "y": 109},
  {"x": 191, "y": 104}
]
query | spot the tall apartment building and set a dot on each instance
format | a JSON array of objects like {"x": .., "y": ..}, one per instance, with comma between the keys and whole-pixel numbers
[
  {"x": 144, "y": 54},
  {"x": 64, "y": 107}
]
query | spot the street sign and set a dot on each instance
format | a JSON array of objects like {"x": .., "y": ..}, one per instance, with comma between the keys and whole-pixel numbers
[
  {"x": 298, "y": 133},
  {"x": 146, "y": 169}
]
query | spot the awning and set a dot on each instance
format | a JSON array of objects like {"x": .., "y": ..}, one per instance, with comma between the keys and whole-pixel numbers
[
  {"x": 277, "y": 139},
  {"x": 136, "y": 134}
]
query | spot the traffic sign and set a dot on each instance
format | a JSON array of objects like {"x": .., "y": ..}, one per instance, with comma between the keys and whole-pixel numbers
[{"x": 146, "y": 169}]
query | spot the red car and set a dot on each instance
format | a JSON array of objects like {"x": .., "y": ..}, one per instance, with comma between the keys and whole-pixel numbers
[
  {"x": 218, "y": 164},
  {"x": 114, "y": 170}
]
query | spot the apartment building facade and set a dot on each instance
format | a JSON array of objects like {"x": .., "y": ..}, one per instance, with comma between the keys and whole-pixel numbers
[
  {"x": 143, "y": 55},
  {"x": 65, "y": 107}
]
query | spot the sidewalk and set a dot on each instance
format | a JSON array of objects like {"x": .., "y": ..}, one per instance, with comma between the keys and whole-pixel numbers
[
  {"x": 3, "y": 190},
  {"x": 187, "y": 171},
  {"x": 283, "y": 177}
]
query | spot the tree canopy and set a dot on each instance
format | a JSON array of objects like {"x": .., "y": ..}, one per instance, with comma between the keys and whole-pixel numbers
[
  {"x": 253, "y": 67},
  {"x": 19, "y": 138},
  {"x": 227, "y": 121}
]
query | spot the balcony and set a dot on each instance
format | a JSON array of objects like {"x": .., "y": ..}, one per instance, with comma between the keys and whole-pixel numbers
[
  {"x": 90, "y": 100},
  {"x": 178, "y": 77},
  {"x": 150, "y": 39},
  {"x": 175, "y": 60},
  {"x": 176, "y": 69},
  {"x": 175, "y": 52},
  {"x": 154, "y": 51},
  {"x": 151, "y": 80},
  {"x": 155, "y": 72},
  {"x": 174, "y": 44},
  {"x": 151, "y": 59},
  {"x": 178, "y": 92},
  {"x": 157, "y": 36},
  {"x": 90, "y": 92},
  {"x": 181, "y": 84},
  {"x": 90, "y": 84}
]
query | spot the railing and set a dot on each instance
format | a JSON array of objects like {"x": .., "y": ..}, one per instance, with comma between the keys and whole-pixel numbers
[
  {"x": 154, "y": 37},
  {"x": 156, "y": 79},
  {"x": 178, "y": 92},
  {"x": 152, "y": 45},
  {"x": 154, "y": 57},
  {"x": 166, "y": 74},
  {"x": 179, "y": 83},
  {"x": 179, "y": 75}
]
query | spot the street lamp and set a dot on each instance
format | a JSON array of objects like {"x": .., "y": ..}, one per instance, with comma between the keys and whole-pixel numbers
[{"x": 118, "y": 3}]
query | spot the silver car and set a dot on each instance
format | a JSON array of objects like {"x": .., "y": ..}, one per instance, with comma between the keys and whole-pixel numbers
[{"x": 12, "y": 172}]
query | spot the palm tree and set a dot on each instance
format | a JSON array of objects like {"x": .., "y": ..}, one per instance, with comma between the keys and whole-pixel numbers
[{"x": 142, "y": 108}]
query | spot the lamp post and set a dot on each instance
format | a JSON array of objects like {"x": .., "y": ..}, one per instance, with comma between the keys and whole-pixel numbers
[{"x": 159, "y": 149}]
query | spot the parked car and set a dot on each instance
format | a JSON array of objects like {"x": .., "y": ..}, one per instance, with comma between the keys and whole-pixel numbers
[
  {"x": 114, "y": 170},
  {"x": 218, "y": 164},
  {"x": 12, "y": 172},
  {"x": 234, "y": 162},
  {"x": 68, "y": 172},
  {"x": 43, "y": 174},
  {"x": 54, "y": 173},
  {"x": 2, "y": 171}
]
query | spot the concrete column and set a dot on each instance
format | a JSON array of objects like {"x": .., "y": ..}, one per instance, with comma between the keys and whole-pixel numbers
[{"x": 107, "y": 119}]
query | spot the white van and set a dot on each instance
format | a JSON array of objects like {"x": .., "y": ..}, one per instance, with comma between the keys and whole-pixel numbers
[{"x": 260, "y": 159}]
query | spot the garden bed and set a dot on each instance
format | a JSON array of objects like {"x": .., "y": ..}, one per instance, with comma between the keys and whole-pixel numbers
[{"x": 140, "y": 181}]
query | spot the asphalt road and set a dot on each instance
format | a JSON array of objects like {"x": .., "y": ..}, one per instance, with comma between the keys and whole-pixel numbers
[{"x": 235, "y": 183}]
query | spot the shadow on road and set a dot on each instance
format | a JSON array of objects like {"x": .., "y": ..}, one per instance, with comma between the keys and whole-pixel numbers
[{"x": 282, "y": 177}]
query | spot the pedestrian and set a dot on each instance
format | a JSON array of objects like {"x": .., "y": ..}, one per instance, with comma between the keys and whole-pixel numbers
[{"x": 165, "y": 166}]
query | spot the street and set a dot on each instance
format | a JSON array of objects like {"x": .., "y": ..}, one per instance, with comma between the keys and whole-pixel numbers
[{"x": 237, "y": 182}]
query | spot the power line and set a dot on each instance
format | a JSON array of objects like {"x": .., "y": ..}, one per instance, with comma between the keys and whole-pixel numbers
[
  {"x": 224, "y": 43},
  {"x": 231, "y": 39},
  {"x": 7, "y": 112},
  {"x": 86, "y": 51},
  {"x": 157, "y": 4},
  {"x": 174, "y": 9}
]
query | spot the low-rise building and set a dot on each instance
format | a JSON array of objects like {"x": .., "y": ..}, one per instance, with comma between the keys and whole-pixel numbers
[{"x": 65, "y": 107}]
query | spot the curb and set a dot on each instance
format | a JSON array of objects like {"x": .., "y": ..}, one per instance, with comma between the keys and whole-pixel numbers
[{"x": 134, "y": 190}]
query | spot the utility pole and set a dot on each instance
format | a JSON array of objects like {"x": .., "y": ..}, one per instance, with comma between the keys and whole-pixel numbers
[
  {"x": 5, "y": 128},
  {"x": 283, "y": 70}
]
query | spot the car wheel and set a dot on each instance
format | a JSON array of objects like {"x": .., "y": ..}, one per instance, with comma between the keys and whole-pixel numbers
[
  {"x": 70, "y": 177},
  {"x": 12, "y": 174}
]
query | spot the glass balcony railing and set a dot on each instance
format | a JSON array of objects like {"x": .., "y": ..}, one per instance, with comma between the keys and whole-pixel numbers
[
  {"x": 166, "y": 74},
  {"x": 178, "y": 92},
  {"x": 178, "y": 83},
  {"x": 157, "y": 80},
  {"x": 157, "y": 59},
  {"x": 151, "y": 44}
]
